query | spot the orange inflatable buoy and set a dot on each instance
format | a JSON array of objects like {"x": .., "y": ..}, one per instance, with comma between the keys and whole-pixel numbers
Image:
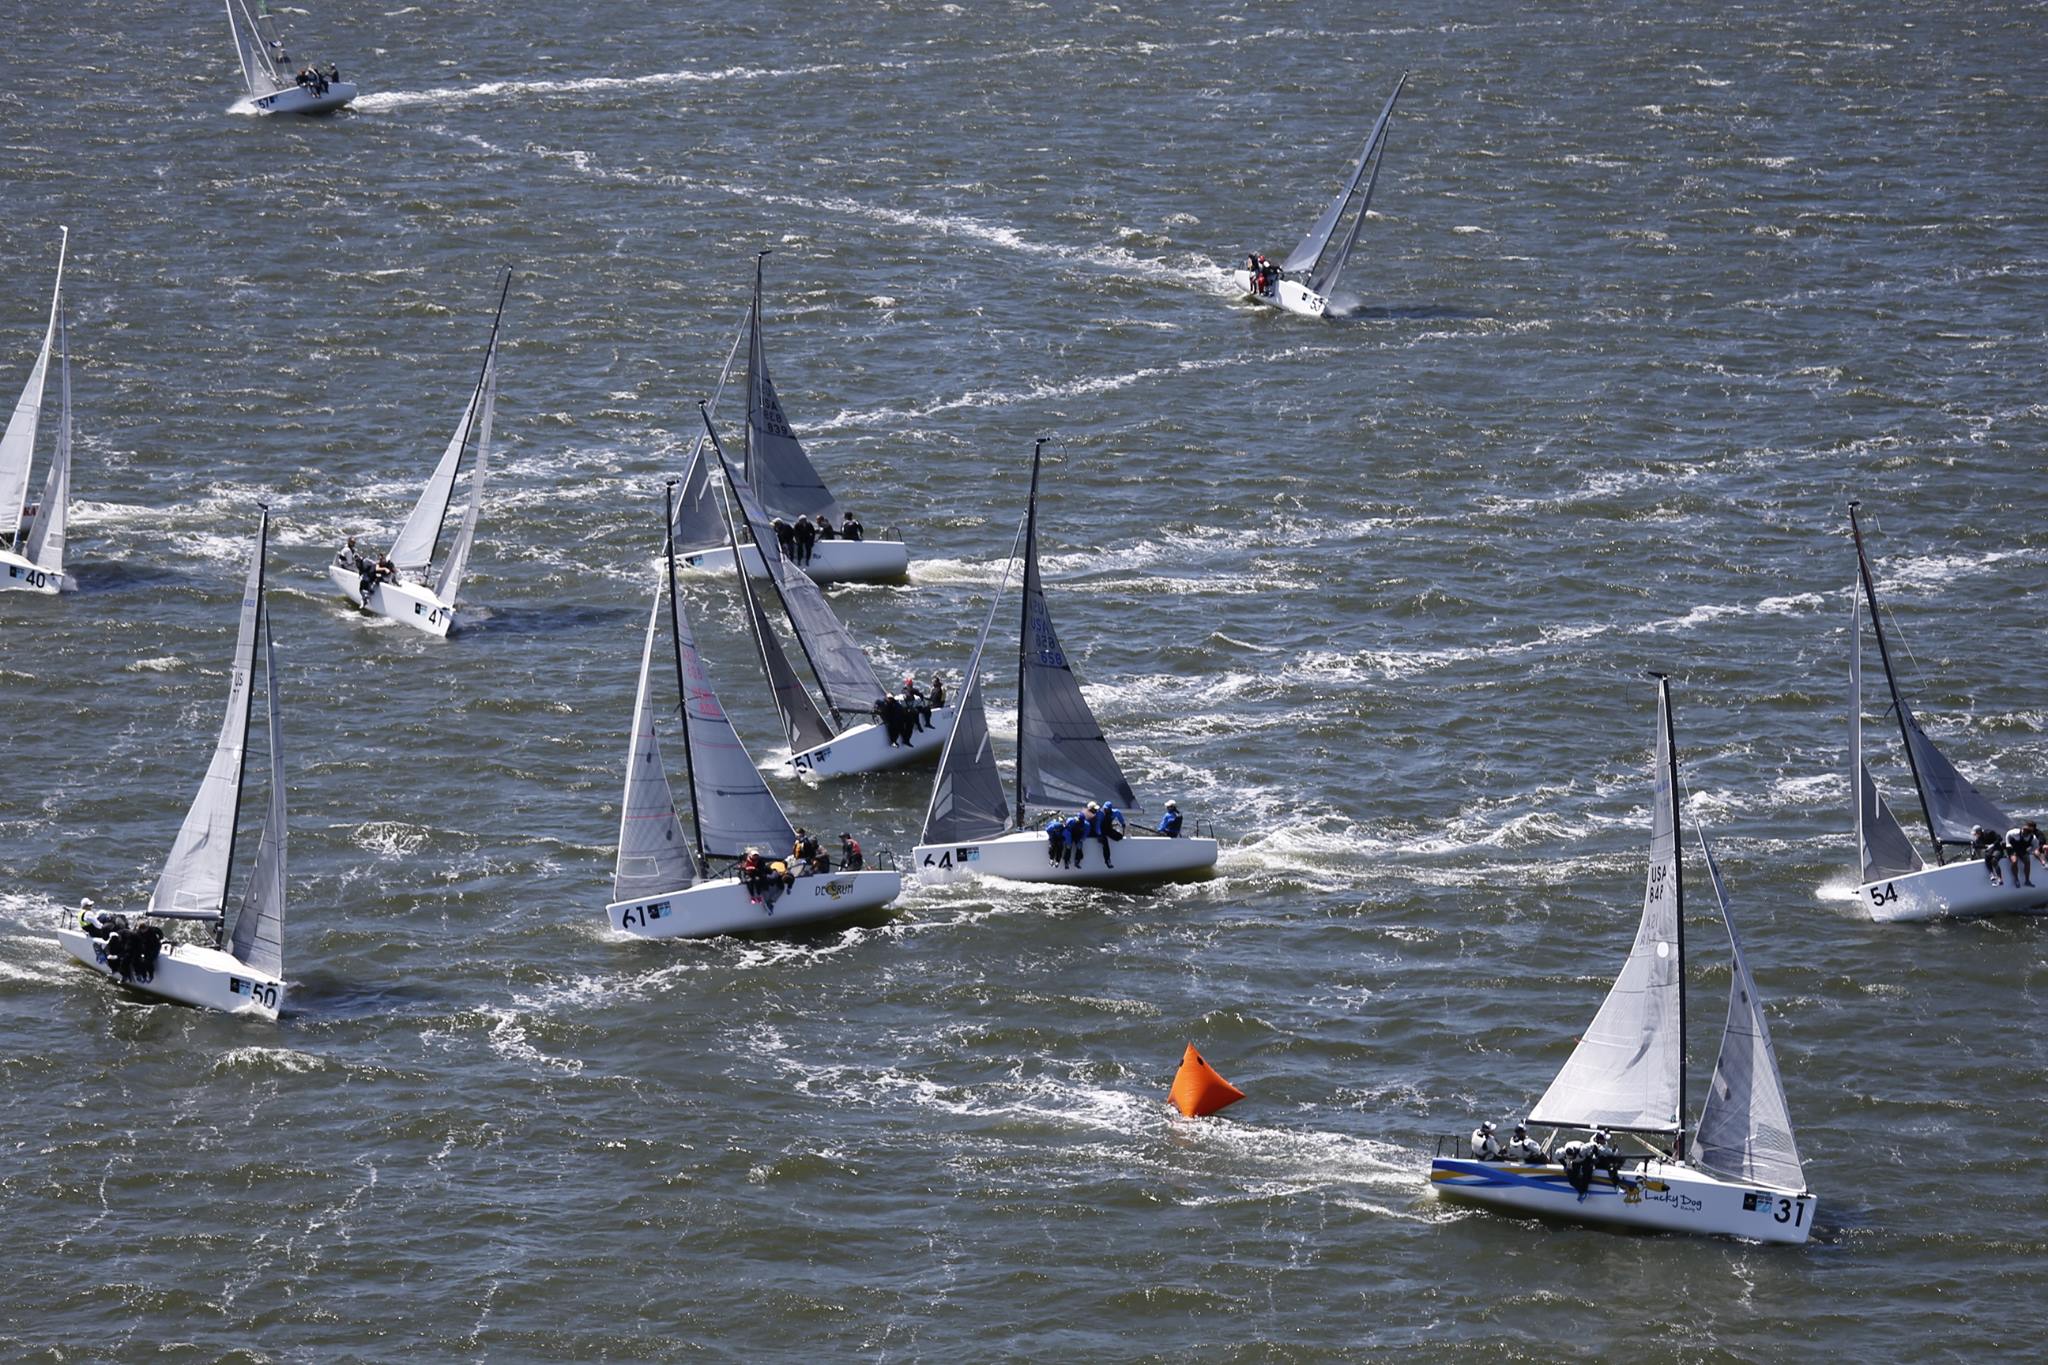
[{"x": 1198, "y": 1090}]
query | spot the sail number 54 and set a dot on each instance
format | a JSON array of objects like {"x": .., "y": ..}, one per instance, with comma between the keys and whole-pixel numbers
[{"x": 1882, "y": 895}]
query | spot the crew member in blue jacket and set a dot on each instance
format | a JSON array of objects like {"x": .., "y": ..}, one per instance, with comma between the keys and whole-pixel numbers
[
  {"x": 1077, "y": 834},
  {"x": 1169, "y": 823},
  {"x": 1109, "y": 824},
  {"x": 1056, "y": 840}
]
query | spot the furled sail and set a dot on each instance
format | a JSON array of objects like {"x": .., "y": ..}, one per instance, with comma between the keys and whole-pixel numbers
[
  {"x": 1626, "y": 1070},
  {"x": 456, "y": 566},
  {"x": 258, "y": 940},
  {"x": 1311, "y": 247},
  {"x": 653, "y": 854},
  {"x": 773, "y": 460},
  {"x": 844, "y": 674},
  {"x": 1882, "y": 848},
  {"x": 968, "y": 801},
  {"x": 735, "y": 809},
  {"x": 18, "y": 441},
  {"x": 1952, "y": 803},
  {"x": 1745, "y": 1128},
  {"x": 195, "y": 876},
  {"x": 53, "y": 514},
  {"x": 1063, "y": 759}
]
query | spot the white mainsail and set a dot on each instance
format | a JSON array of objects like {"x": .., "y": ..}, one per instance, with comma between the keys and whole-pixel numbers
[
  {"x": 456, "y": 567},
  {"x": 258, "y": 940},
  {"x": 1882, "y": 848},
  {"x": 259, "y": 67},
  {"x": 772, "y": 459},
  {"x": 968, "y": 801},
  {"x": 46, "y": 534},
  {"x": 1063, "y": 759},
  {"x": 1745, "y": 1130},
  {"x": 1308, "y": 255},
  {"x": 18, "y": 441},
  {"x": 1628, "y": 1069},
  {"x": 195, "y": 875},
  {"x": 412, "y": 549},
  {"x": 653, "y": 854}
]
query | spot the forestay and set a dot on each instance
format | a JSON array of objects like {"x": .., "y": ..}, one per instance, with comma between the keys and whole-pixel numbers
[
  {"x": 47, "y": 532},
  {"x": 735, "y": 809},
  {"x": 18, "y": 441},
  {"x": 653, "y": 854},
  {"x": 258, "y": 941},
  {"x": 1745, "y": 1128},
  {"x": 968, "y": 802},
  {"x": 1063, "y": 760},
  {"x": 195, "y": 876},
  {"x": 1882, "y": 848},
  {"x": 773, "y": 460},
  {"x": 1309, "y": 252},
  {"x": 1626, "y": 1070}
]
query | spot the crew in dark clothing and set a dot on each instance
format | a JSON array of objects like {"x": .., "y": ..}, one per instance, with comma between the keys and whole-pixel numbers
[
  {"x": 1077, "y": 833},
  {"x": 825, "y": 531},
  {"x": 849, "y": 529},
  {"x": 937, "y": 699},
  {"x": 889, "y": 714},
  {"x": 1056, "y": 840},
  {"x": 1095, "y": 827},
  {"x": 1109, "y": 824},
  {"x": 2020, "y": 844},
  {"x": 785, "y": 537},
  {"x": 850, "y": 859},
  {"x": 806, "y": 536},
  {"x": 1992, "y": 847},
  {"x": 333, "y": 74},
  {"x": 914, "y": 708}
]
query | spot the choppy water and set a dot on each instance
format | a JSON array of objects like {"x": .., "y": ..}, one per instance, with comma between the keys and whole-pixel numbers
[{"x": 1652, "y": 292}]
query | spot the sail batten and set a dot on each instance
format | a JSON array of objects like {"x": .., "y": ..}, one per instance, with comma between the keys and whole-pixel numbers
[
  {"x": 1745, "y": 1130},
  {"x": 1628, "y": 1068},
  {"x": 653, "y": 854}
]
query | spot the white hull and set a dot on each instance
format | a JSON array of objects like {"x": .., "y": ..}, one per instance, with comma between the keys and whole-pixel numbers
[
  {"x": 866, "y": 749},
  {"x": 300, "y": 99},
  {"x": 412, "y": 603},
  {"x": 22, "y": 576},
  {"x": 1958, "y": 890},
  {"x": 832, "y": 561},
  {"x": 1021, "y": 857},
  {"x": 724, "y": 907},
  {"x": 1288, "y": 295},
  {"x": 1656, "y": 1196},
  {"x": 191, "y": 975}
]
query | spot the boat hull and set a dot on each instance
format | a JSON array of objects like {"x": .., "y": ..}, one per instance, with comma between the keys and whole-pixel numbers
[
  {"x": 1655, "y": 1197},
  {"x": 1290, "y": 296},
  {"x": 1959, "y": 890},
  {"x": 1021, "y": 857},
  {"x": 832, "y": 561},
  {"x": 189, "y": 974},
  {"x": 709, "y": 909},
  {"x": 866, "y": 749},
  {"x": 300, "y": 99},
  {"x": 412, "y": 603},
  {"x": 19, "y": 575}
]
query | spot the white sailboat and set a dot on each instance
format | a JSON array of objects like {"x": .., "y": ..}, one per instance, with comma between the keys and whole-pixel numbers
[
  {"x": 1063, "y": 763},
  {"x": 242, "y": 970},
  {"x": 1741, "y": 1175},
  {"x": 275, "y": 85},
  {"x": 32, "y": 555},
  {"x": 1895, "y": 884},
  {"x": 1307, "y": 280},
  {"x": 411, "y": 592},
  {"x": 853, "y": 740},
  {"x": 773, "y": 464},
  {"x": 663, "y": 886}
]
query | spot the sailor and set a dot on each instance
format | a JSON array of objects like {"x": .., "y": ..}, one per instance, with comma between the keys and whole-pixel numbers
[
  {"x": 1577, "y": 1159},
  {"x": 1109, "y": 824},
  {"x": 754, "y": 873},
  {"x": 849, "y": 529},
  {"x": 850, "y": 859},
  {"x": 825, "y": 531},
  {"x": 785, "y": 537},
  {"x": 1485, "y": 1147},
  {"x": 889, "y": 715},
  {"x": 804, "y": 851},
  {"x": 806, "y": 536},
  {"x": 1992, "y": 847},
  {"x": 85, "y": 917},
  {"x": 1094, "y": 827},
  {"x": 1077, "y": 834},
  {"x": 347, "y": 558},
  {"x": 1170, "y": 822},
  {"x": 1056, "y": 839},
  {"x": 333, "y": 74},
  {"x": 937, "y": 699},
  {"x": 914, "y": 709},
  {"x": 1606, "y": 1155},
  {"x": 1524, "y": 1148},
  {"x": 2020, "y": 844}
]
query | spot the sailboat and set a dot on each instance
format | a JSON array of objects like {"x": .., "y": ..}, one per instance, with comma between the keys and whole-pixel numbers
[
  {"x": 242, "y": 970},
  {"x": 1896, "y": 884},
  {"x": 848, "y": 743},
  {"x": 1307, "y": 280},
  {"x": 274, "y": 86},
  {"x": 1063, "y": 762},
  {"x": 663, "y": 885},
  {"x": 33, "y": 553},
  {"x": 788, "y": 485},
  {"x": 1741, "y": 1175},
  {"x": 413, "y": 594}
]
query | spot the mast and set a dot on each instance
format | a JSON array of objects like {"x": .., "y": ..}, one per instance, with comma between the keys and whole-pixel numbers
[
  {"x": 1677, "y": 890},
  {"x": 248, "y": 704},
  {"x": 1024, "y": 615},
  {"x": 490, "y": 358},
  {"x": 1898, "y": 702},
  {"x": 768, "y": 565},
  {"x": 675, "y": 639}
]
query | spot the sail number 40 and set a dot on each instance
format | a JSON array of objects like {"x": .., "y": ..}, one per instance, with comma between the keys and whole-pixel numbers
[{"x": 1880, "y": 895}]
